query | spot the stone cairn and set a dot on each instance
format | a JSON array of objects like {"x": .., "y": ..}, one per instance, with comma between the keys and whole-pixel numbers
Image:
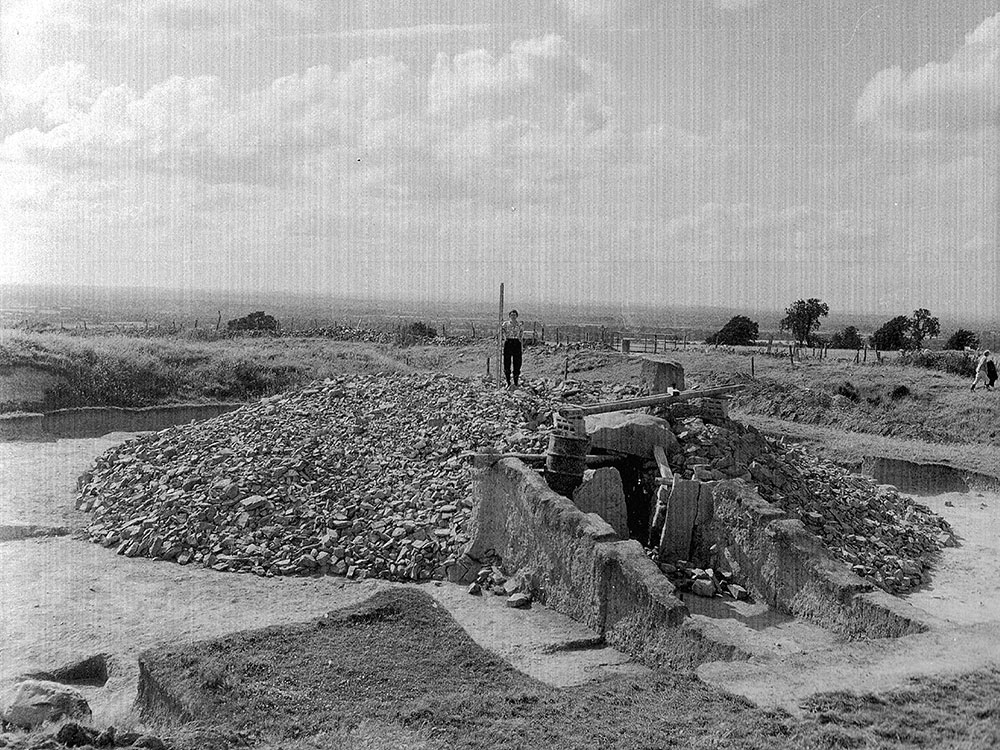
[
  {"x": 362, "y": 476},
  {"x": 365, "y": 476}
]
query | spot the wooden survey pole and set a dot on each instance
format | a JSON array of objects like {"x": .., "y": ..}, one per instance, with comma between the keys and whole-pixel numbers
[{"x": 500, "y": 341}]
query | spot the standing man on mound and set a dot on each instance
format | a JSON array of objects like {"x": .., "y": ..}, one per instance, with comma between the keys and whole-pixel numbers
[{"x": 512, "y": 331}]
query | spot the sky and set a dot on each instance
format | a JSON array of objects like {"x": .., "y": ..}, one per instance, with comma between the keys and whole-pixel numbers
[{"x": 741, "y": 153}]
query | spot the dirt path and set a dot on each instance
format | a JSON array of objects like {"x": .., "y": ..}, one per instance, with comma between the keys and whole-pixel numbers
[{"x": 65, "y": 600}]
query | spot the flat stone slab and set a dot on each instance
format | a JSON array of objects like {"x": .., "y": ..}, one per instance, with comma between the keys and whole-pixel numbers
[{"x": 629, "y": 432}]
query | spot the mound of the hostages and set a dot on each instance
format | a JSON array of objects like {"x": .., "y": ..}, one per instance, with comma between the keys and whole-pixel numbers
[
  {"x": 370, "y": 476},
  {"x": 363, "y": 476}
]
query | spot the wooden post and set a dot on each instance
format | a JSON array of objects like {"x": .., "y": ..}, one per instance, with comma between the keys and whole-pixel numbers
[
  {"x": 753, "y": 374},
  {"x": 865, "y": 361},
  {"x": 656, "y": 342},
  {"x": 791, "y": 355},
  {"x": 566, "y": 368},
  {"x": 500, "y": 339},
  {"x": 487, "y": 367},
  {"x": 217, "y": 322}
]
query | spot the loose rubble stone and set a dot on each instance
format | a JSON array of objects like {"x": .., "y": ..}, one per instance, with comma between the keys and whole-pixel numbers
[
  {"x": 703, "y": 587},
  {"x": 519, "y": 601},
  {"x": 76, "y": 735},
  {"x": 35, "y": 702}
]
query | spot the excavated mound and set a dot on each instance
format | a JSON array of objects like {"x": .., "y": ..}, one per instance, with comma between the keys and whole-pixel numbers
[
  {"x": 362, "y": 476},
  {"x": 365, "y": 476},
  {"x": 885, "y": 537}
]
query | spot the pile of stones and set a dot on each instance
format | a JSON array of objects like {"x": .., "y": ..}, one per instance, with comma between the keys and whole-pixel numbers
[
  {"x": 703, "y": 581},
  {"x": 344, "y": 333},
  {"x": 363, "y": 476},
  {"x": 370, "y": 476},
  {"x": 886, "y": 538}
]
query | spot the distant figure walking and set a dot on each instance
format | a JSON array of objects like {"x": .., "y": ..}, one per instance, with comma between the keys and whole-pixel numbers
[
  {"x": 980, "y": 370},
  {"x": 991, "y": 373},
  {"x": 512, "y": 331}
]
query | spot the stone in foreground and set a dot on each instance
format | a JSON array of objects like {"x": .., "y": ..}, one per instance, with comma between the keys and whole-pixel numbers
[
  {"x": 519, "y": 601},
  {"x": 37, "y": 701}
]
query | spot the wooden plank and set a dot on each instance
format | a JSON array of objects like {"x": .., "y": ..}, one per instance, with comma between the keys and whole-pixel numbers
[
  {"x": 659, "y": 514},
  {"x": 661, "y": 462}
]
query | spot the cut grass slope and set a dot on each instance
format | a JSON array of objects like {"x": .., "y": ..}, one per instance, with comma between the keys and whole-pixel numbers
[
  {"x": 127, "y": 371},
  {"x": 397, "y": 671}
]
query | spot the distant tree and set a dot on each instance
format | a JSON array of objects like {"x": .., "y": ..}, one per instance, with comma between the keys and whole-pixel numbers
[
  {"x": 739, "y": 331},
  {"x": 922, "y": 325},
  {"x": 255, "y": 321},
  {"x": 802, "y": 318},
  {"x": 849, "y": 338},
  {"x": 962, "y": 339},
  {"x": 893, "y": 335}
]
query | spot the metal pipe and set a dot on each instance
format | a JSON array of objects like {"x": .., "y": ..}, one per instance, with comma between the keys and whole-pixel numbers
[{"x": 659, "y": 399}]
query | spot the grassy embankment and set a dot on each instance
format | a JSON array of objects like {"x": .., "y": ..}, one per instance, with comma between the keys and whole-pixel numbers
[{"x": 105, "y": 370}]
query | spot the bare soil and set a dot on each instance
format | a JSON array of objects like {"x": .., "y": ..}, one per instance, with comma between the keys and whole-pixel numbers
[{"x": 65, "y": 599}]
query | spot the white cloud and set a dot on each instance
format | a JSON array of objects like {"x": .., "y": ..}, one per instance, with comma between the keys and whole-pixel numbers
[
  {"x": 475, "y": 123},
  {"x": 627, "y": 11},
  {"x": 959, "y": 95}
]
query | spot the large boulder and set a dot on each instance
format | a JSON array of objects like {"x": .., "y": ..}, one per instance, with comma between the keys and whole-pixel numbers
[
  {"x": 602, "y": 493},
  {"x": 657, "y": 376},
  {"x": 630, "y": 432},
  {"x": 37, "y": 701}
]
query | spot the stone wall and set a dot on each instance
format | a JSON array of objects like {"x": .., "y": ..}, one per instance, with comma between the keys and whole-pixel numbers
[
  {"x": 576, "y": 564},
  {"x": 788, "y": 568}
]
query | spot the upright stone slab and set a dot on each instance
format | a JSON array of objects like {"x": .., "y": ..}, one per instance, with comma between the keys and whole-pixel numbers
[
  {"x": 657, "y": 377},
  {"x": 602, "y": 493},
  {"x": 682, "y": 511}
]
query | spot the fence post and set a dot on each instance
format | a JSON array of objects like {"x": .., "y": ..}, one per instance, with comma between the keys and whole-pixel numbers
[{"x": 753, "y": 373}]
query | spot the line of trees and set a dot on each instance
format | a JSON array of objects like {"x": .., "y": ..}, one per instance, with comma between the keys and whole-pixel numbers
[{"x": 802, "y": 319}]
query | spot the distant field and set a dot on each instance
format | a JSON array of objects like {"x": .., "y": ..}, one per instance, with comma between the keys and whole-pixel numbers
[
  {"x": 73, "y": 308},
  {"x": 44, "y": 371}
]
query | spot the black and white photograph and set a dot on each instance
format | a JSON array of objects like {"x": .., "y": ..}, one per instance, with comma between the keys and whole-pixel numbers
[{"x": 499, "y": 374}]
